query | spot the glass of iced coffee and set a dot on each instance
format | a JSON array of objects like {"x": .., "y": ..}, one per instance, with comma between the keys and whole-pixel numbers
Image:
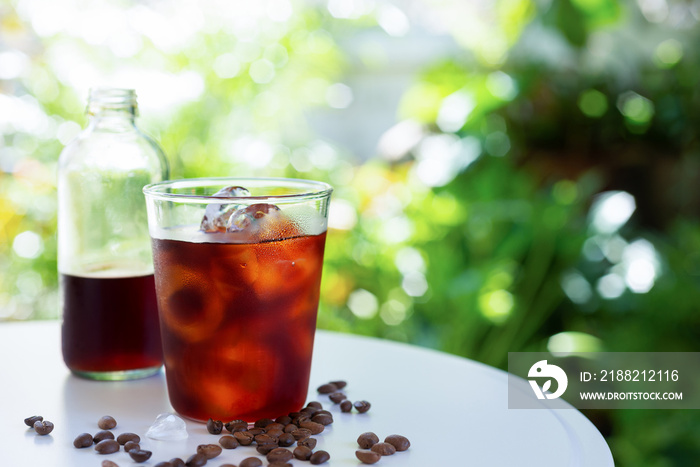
[{"x": 237, "y": 270}]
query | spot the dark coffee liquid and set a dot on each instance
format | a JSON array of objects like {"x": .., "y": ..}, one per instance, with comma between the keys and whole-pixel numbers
[{"x": 110, "y": 324}]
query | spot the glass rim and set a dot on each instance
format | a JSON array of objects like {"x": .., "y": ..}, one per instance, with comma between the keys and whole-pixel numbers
[{"x": 316, "y": 189}]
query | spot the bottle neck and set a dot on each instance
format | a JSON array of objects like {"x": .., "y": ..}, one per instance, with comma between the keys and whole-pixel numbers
[{"x": 112, "y": 109}]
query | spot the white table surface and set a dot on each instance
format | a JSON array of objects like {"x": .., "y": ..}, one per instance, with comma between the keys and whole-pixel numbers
[{"x": 453, "y": 410}]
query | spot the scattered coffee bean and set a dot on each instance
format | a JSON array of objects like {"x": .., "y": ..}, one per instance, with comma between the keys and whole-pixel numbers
[
  {"x": 309, "y": 411},
  {"x": 30, "y": 421},
  {"x": 262, "y": 423},
  {"x": 250, "y": 462},
  {"x": 313, "y": 427},
  {"x": 368, "y": 457},
  {"x": 126, "y": 437},
  {"x": 301, "y": 433},
  {"x": 215, "y": 426},
  {"x": 177, "y": 462},
  {"x": 284, "y": 420},
  {"x": 316, "y": 404},
  {"x": 227, "y": 465},
  {"x": 256, "y": 431},
  {"x": 244, "y": 438},
  {"x": 279, "y": 464},
  {"x": 107, "y": 422},
  {"x": 131, "y": 445},
  {"x": 307, "y": 442},
  {"x": 83, "y": 440},
  {"x": 319, "y": 457},
  {"x": 401, "y": 443},
  {"x": 279, "y": 455},
  {"x": 228, "y": 442},
  {"x": 237, "y": 425},
  {"x": 337, "y": 397},
  {"x": 345, "y": 406},
  {"x": 107, "y": 446},
  {"x": 196, "y": 460},
  {"x": 327, "y": 388},
  {"x": 322, "y": 418},
  {"x": 367, "y": 440},
  {"x": 264, "y": 449},
  {"x": 384, "y": 449},
  {"x": 102, "y": 435},
  {"x": 106, "y": 463},
  {"x": 140, "y": 455},
  {"x": 339, "y": 384},
  {"x": 265, "y": 439},
  {"x": 274, "y": 426},
  {"x": 285, "y": 439},
  {"x": 302, "y": 453},
  {"x": 164, "y": 464},
  {"x": 209, "y": 450},
  {"x": 362, "y": 406},
  {"x": 43, "y": 427},
  {"x": 289, "y": 428},
  {"x": 274, "y": 433}
]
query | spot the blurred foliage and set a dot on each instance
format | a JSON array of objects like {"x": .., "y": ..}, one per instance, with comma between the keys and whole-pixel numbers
[{"x": 539, "y": 189}]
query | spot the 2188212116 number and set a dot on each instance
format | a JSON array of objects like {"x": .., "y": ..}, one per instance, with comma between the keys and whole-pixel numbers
[{"x": 639, "y": 375}]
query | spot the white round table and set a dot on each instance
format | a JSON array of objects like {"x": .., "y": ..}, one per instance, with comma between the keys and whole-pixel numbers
[{"x": 453, "y": 410}]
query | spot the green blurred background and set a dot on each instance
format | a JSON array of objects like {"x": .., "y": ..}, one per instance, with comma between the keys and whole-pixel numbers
[{"x": 510, "y": 175}]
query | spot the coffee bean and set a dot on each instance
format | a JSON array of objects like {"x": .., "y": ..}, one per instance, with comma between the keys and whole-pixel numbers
[
  {"x": 244, "y": 438},
  {"x": 327, "y": 388},
  {"x": 106, "y": 463},
  {"x": 237, "y": 425},
  {"x": 285, "y": 439},
  {"x": 250, "y": 462},
  {"x": 289, "y": 428},
  {"x": 367, "y": 440},
  {"x": 339, "y": 384},
  {"x": 322, "y": 418},
  {"x": 30, "y": 421},
  {"x": 276, "y": 433},
  {"x": 384, "y": 449},
  {"x": 309, "y": 411},
  {"x": 177, "y": 462},
  {"x": 307, "y": 442},
  {"x": 227, "y": 465},
  {"x": 256, "y": 431},
  {"x": 164, "y": 464},
  {"x": 262, "y": 423},
  {"x": 319, "y": 457},
  {"x": 265, "y": 439},
  {"x": 126, "y": 437},
  {"x": 302, "y": 453},
  {"x": 362, "y": 406},
  {"x": 107, "y": 446},
  {"x": 279, "y": 455},
  {"x": 102, "y": 435},
  {"x": 283, "y": 420},
  {"x": 337, "y": 397},
  {"x": 228, "y": 442},
  {"x": 215, "y": 426},
  {"x": 301, "y": 433},
  {"x": 279, "y": 464},
  {"x": 264, "y": 449},
  {"x": 274, "y": 426},
  {"x": 196, "y": 460},
  {"x": 83, "y": 440},
  {"x": 345, "y": 406},
  {"x": 43, "y": 427},
  {"x": 313, "y": 427},
  {"x": 368, "y": 457},
  {"x": 131, "y": 445},
  {"x": 107, "y": 422},
  {"x": 209, "y": 450},
  {"x": 140, "y": 455},
  {"x": 401, "y": 443}
]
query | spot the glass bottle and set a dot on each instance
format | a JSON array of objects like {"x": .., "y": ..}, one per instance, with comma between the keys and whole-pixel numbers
[{"x": 110, "y": 325}]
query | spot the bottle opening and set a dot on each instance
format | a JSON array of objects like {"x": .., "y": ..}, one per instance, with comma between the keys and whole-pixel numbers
[{"x": 105, "y": 99}]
